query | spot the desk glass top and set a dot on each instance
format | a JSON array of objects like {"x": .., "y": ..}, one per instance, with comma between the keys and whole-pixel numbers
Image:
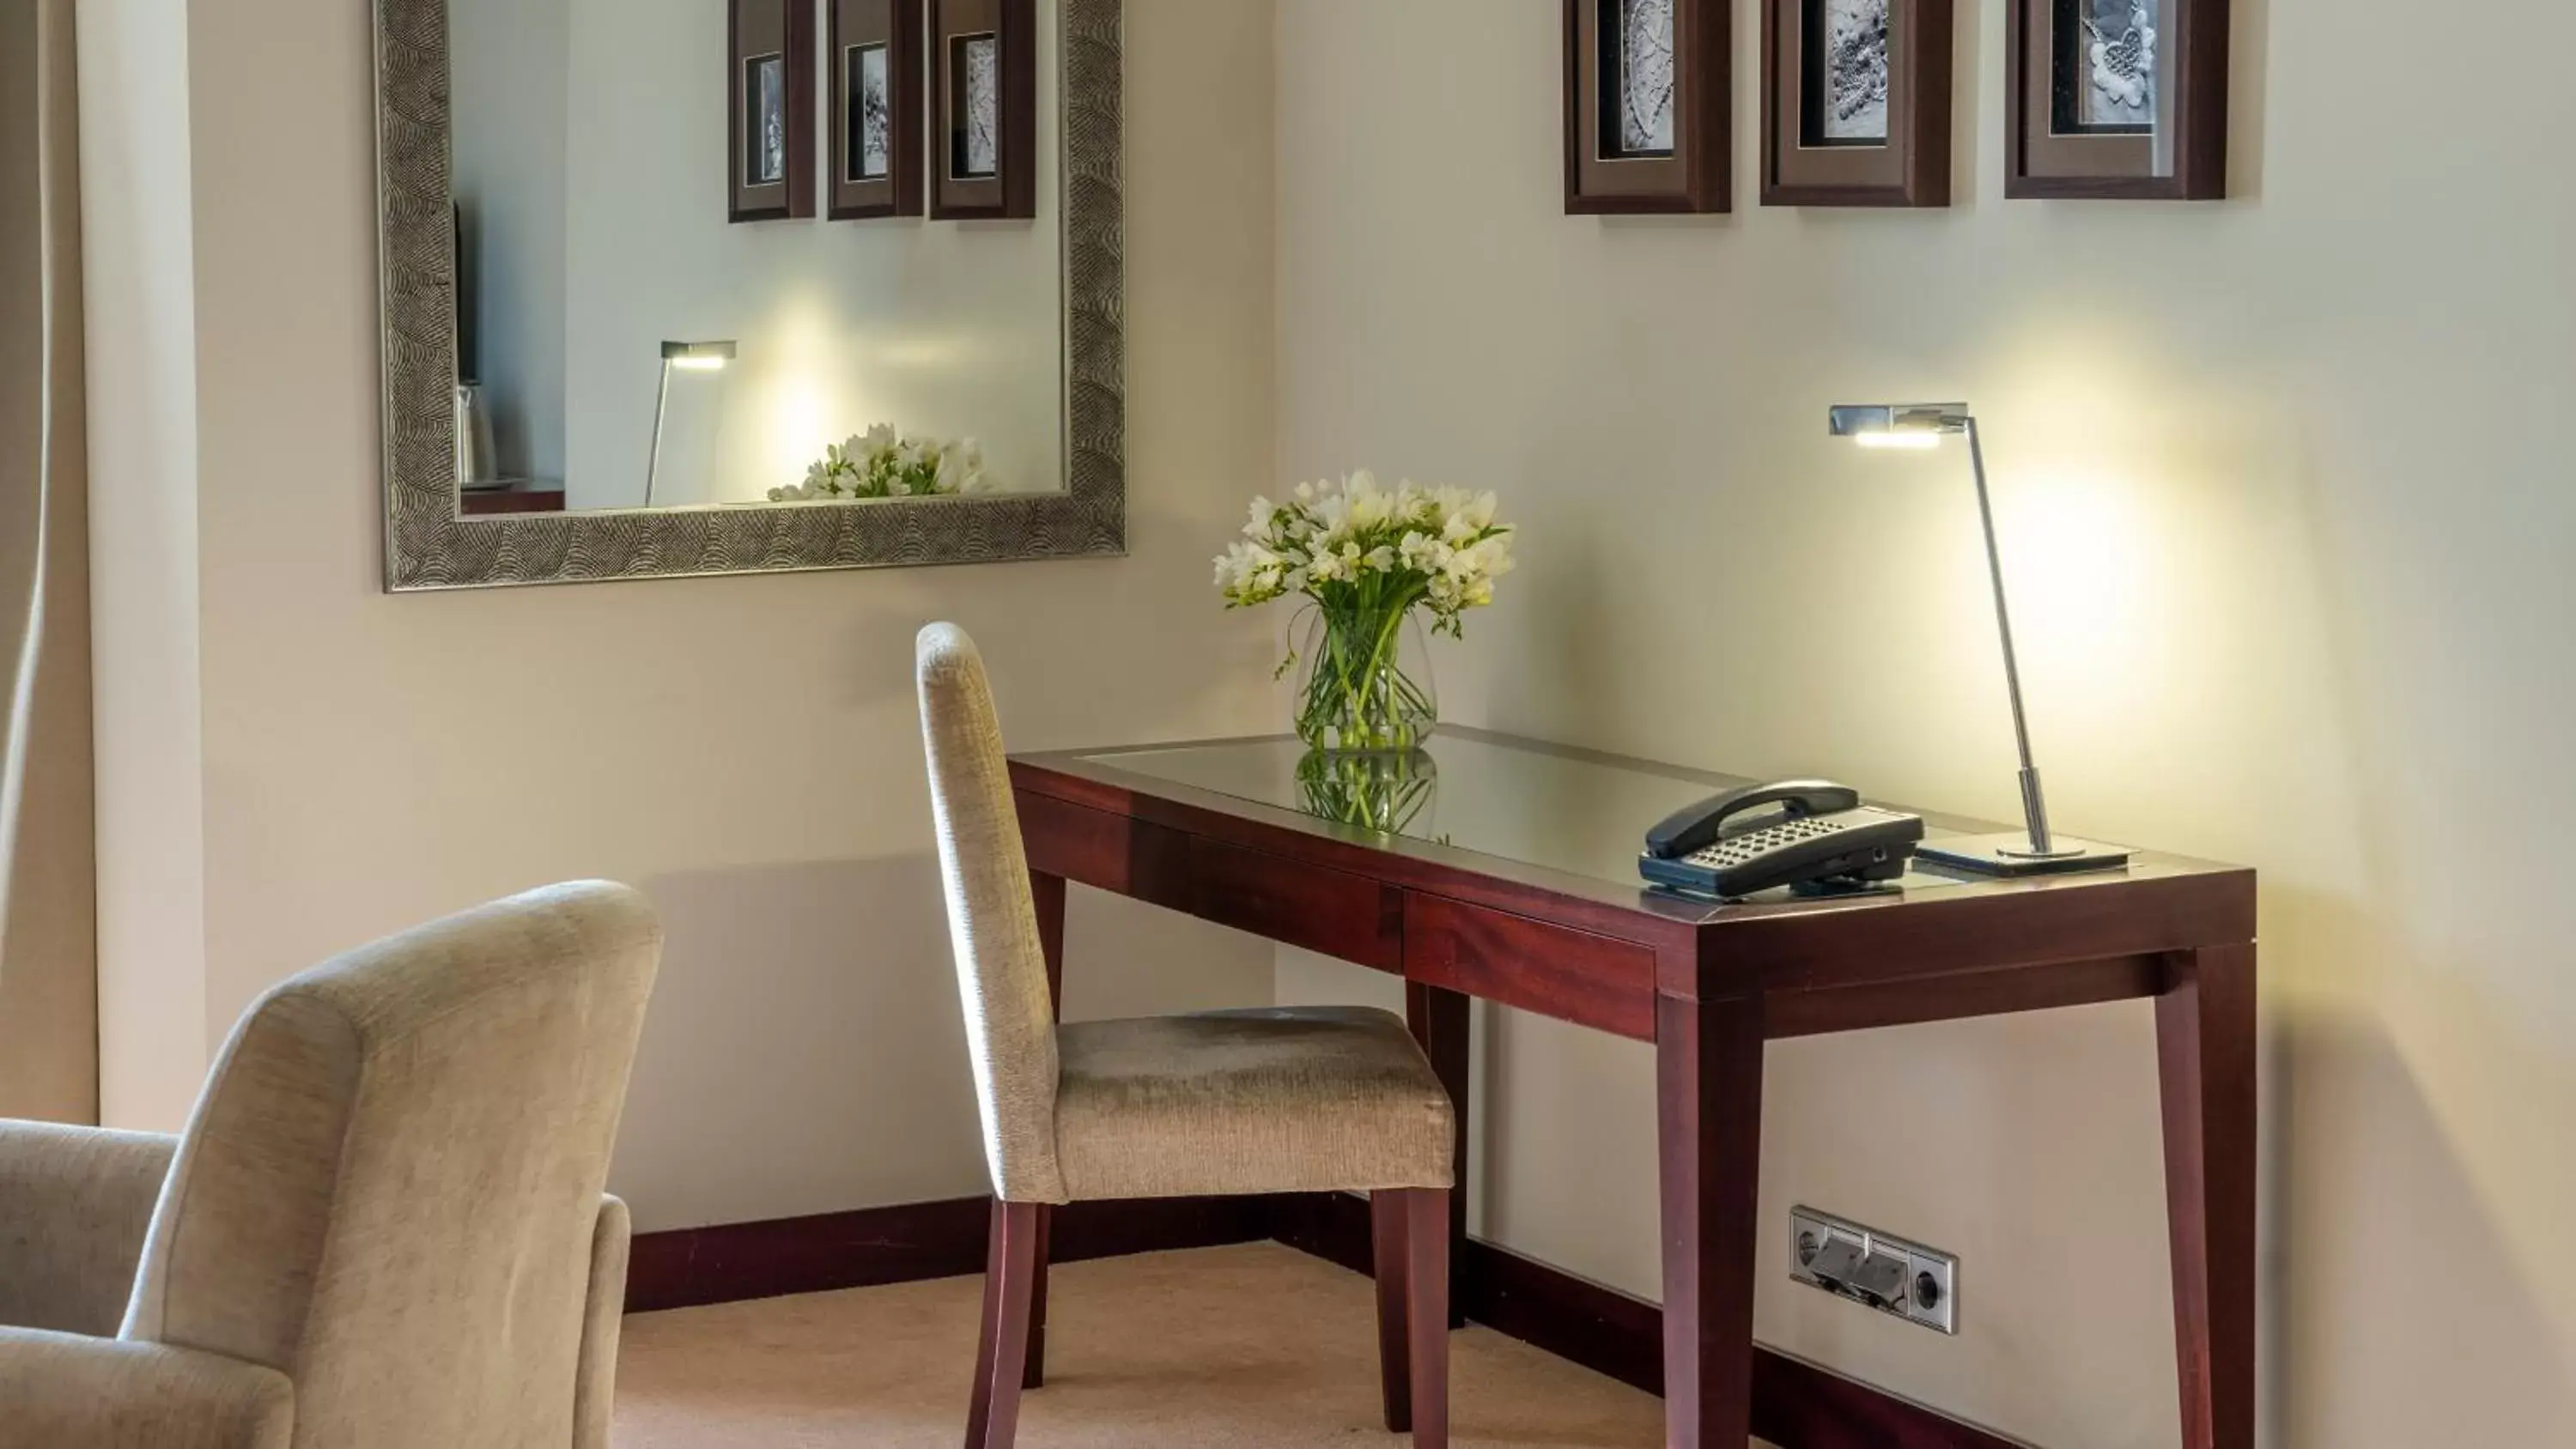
[{"x": 1558, "y": 810}]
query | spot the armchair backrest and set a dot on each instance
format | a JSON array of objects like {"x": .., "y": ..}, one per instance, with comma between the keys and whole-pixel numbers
[
  {"x": 390, "y": 1188},
  {"x": 992, "y": 918}
]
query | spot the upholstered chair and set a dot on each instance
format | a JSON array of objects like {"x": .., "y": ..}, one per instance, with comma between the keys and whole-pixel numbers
[
  {"x": 384, "y": 1226},
  {"x": 1220, "y": 1104}
]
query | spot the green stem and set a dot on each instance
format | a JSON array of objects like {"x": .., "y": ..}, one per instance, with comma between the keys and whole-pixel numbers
[{"x": 1355, "y": 689}]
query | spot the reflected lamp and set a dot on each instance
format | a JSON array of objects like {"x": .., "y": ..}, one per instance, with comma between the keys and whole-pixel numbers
[
  {"x": 2038, "y": 850},
  {"x": 680, "y": 357}
]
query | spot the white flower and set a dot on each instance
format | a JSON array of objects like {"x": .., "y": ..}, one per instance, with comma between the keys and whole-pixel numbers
[
  {"x": 1370, "y": 507},
  {"x": 1355, "y": 544}
]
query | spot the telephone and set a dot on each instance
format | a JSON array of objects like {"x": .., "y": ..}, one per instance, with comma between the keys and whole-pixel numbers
[{"x": 1820, "y": 836}]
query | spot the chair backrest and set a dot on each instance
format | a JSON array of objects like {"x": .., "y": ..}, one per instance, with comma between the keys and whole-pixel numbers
[
  {"x": 992, "y": 919},
  {"x": 390, "y": 1186}
]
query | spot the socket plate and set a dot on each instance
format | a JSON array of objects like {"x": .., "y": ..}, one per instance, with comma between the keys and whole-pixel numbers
[{"x": 1860, "y": 1263}]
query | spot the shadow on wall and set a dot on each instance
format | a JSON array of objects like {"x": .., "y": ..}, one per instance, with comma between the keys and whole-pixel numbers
[{"x": 785, "y": 989}]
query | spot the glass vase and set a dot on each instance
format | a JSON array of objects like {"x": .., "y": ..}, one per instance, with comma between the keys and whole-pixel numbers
[{"x": 1363, "y": 682}]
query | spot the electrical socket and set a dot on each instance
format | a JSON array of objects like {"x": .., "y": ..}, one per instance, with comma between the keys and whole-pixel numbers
[{"x": 1874, "y": 1269}]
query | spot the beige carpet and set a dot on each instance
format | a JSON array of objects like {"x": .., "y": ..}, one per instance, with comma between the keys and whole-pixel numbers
[{"x": 1225, "y": 1348}]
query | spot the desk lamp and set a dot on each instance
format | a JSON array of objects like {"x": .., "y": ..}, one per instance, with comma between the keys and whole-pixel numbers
[
  {"x": 2037, "y": 851},
  {"x": 686, "y": 357}
]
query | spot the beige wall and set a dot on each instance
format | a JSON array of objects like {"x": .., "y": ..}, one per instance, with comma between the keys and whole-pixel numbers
[
  {"x": 2284, "y": 488},
  {"x": 137, "y": 243},
  {"x": 745, "y": 749}
]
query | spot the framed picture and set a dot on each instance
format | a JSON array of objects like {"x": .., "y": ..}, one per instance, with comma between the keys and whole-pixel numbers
[
  {"x": 873, "y": 125},
  {"x": 1856, "y": 102},
  {"x": 984, "y": 109},
  {"x": 2119, "y": 99},
  {"x": 770, "y": 92},
  {"x": 1648, "y": 102}
]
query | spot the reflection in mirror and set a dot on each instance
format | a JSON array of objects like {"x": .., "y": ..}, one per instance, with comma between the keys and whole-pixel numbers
[{"x": 624, "y": 343}]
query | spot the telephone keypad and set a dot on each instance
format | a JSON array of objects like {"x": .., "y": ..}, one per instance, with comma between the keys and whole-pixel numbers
[{"x": 1739, "y": 849}]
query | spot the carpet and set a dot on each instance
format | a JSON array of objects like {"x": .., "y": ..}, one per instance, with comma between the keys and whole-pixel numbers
[{"x": 1251, "y": 1347}]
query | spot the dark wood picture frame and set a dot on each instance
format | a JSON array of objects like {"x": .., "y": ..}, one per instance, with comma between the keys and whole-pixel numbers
[
  {"x": 1696, "y": 173},
  {"x": 1910, "y": 166},
  {"x": 892, "y": 28},
  {"x": 774, "y": 41},
  {"x": 2182, "y": 158},
  {"x": 1008, "y": 190}
]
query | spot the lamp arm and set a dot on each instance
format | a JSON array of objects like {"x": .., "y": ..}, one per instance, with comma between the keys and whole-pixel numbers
[
  {"x": 653, "y": 467},
  {"x": 2034, "y": 804}
]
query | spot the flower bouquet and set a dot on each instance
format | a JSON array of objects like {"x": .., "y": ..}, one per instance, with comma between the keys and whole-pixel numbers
[
  {"x": 880, "y": 464},
  {"x": 1368, "y": 560}
]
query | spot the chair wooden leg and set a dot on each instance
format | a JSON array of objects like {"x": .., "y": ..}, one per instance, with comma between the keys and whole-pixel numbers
[
  {"x": 1047, "y": 892},
  {"x": 993, "y": 1418},
  {"x": 1426, "y": 1293},
  {"x": 1387, "y": 1224},
  {"x": 1035, "y": 1377}
]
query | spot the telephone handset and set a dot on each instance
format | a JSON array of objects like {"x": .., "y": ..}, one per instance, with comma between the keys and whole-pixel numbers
[{"x": 1819, "y": 834}]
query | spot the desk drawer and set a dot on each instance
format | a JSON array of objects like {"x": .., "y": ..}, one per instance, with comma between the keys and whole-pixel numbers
[
  {"x": 1343, "y": 915},
  {"x": 1553, "y": 970}
]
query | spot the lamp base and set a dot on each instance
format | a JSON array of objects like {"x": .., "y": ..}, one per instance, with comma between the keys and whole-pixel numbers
[{"x": 2011, "y": 855}]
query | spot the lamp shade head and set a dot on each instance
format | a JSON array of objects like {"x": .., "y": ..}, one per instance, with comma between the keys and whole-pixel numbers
[
  {"x": 1898, "y": 425},
  {"x": 698, "y": 356}
]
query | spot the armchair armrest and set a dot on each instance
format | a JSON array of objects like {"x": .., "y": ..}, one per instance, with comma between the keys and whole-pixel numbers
[
  {"x": 595, "y": 1390},
  {"x": 75, "y": 1203},
  {"x": 64, "y": 1391}
]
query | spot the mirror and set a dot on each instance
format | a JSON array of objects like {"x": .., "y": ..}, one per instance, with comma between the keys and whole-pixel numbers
[{"x": 712, "y": 286}]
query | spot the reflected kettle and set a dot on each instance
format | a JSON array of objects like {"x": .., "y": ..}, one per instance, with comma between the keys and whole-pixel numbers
[{"x": 475, "y": 465}]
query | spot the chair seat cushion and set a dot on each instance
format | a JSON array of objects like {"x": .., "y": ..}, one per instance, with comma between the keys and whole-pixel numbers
[{"x": 1303, "y": 1099}]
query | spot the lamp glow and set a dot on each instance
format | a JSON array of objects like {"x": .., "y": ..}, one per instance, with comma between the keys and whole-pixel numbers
[
  {"x": 686, "y": 357},
  {"x": 2037, "y": 851},
  {"x": 1894, "y": 442}
]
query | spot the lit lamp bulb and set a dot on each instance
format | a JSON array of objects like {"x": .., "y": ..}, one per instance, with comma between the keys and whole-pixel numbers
[
  {"x": 1895, "y": 442},
  {"x": 2038, "y": 851}
]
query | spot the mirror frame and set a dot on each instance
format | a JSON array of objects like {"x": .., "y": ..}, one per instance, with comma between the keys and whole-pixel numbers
[{"x": 429, "y": 546}]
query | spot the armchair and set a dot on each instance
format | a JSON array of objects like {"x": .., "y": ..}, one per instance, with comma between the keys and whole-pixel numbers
[{"x": 383, "y": 1227}]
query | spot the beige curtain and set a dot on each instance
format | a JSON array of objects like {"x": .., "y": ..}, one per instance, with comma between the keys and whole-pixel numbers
[{"x": 48, "y": 874}]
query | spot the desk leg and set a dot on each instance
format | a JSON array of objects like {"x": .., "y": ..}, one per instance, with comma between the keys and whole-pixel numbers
[
  {"x": 1708, "y": 1060},
  {"x": 1439, "y": 1021},
  {"x": 2205, "y": 1054},
  {"x": 1049, "y": 893}
]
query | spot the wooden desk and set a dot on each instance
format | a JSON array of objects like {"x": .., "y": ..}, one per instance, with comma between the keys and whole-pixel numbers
[{"x": 1516, "y": 883}]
